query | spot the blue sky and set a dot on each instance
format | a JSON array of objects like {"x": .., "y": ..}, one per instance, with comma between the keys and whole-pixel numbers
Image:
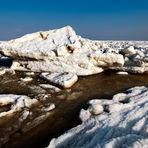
[{"x": 95, "y": 19}]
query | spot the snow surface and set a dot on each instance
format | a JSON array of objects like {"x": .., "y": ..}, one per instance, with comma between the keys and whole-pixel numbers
[
  {"x": 123, "y": 124},
  {"x": 61, "y": 50}
]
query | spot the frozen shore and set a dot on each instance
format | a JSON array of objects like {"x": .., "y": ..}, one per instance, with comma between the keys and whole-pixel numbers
[
  {"x": 59, "y": 58},
  {"x": 122, "y": 123}
]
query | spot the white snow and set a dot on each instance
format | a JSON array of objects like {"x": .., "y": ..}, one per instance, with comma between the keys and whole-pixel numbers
[
  {"x": 125, "y": 125},
  {"x": 61, "y": 56},
  {"x": 61, "y": 50}
]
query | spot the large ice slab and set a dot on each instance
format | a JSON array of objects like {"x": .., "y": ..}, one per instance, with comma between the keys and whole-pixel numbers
[
  {"x": 39, "y": 45},
  {"x": 61, "y": 50},
  {"x": 65, "y": 80}
]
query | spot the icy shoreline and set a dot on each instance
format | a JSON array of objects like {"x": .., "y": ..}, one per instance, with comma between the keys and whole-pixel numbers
[
  {"x": 60, "y": 57},
  {"x": 122, "y": 124}
]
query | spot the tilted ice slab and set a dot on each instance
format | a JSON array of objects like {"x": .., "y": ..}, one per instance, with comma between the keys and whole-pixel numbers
[
  {"x": 40, "y": 45},
  {"x": 123, "y": 123},
  {"x": 52, "y": 88},
  {"x": 65, "y": 80}
]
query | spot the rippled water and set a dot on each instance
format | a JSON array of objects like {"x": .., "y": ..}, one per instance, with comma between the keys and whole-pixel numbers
[{"x": 68, "y": 102}]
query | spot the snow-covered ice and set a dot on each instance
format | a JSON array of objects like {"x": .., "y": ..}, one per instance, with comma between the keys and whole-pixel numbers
[{"x": 124, "y": 123}]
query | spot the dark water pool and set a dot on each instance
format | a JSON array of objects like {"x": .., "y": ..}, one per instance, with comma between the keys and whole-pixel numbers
[{"x": 68, "y": 103}]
